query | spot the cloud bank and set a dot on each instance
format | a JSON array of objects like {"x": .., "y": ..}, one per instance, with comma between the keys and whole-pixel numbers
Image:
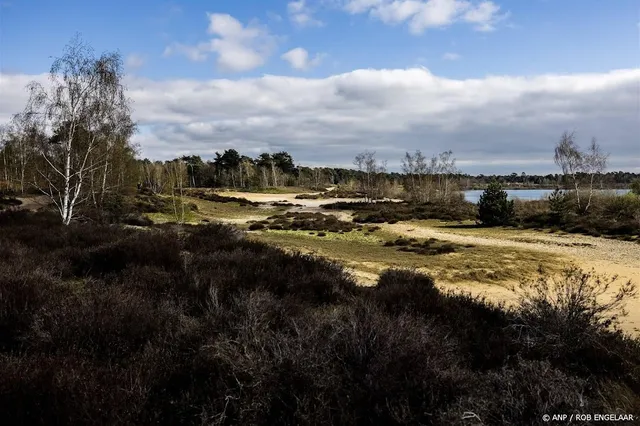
[{"x": 495, "y": 124}]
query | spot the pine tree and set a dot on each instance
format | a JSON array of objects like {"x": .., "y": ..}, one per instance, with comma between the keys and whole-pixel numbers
[
  {"x": 558, "y": 203},
  {"x": 494, "y": 208}
]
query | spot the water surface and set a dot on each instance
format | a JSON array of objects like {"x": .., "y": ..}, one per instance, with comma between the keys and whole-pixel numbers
[{"x": 528, "y": 194}]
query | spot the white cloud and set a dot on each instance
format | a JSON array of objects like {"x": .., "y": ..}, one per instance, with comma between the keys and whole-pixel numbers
[
  {"x": 274, "y": 16},
  {"x": 449, "y": 56},
  {"x": 493, "y": 124},
  {"x": 135, "y": 61},
  {"x": 425, "y": 14},
  {"x": 485, "y": 16},
  {"x": 299, "y": 59},
  {"x": 238, "y": 47},
  {"x": 361, "y": 6},
  {"x": 197, "y": 53},
  {"x": 301, "y": 15}
]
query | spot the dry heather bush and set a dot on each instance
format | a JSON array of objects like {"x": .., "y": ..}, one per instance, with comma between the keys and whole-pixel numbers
[
  {"x": 455, "y": 208},
  {"x": 574, "y": 304},
  {"x": 616, "y": 215},
  {"x": 571, "y": 320},
  {"x": 195, "y": 325}
]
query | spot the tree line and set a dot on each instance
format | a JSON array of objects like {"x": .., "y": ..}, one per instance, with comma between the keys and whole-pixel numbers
[{"x": 72, "y": 143}]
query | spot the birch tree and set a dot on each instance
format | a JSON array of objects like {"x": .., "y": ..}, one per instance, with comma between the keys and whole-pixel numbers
[
  {"x": 177, "y": 174},
  {"x": 409, "y": 169},
  {"x": 447, "y": 168},
  {"x": 6, "y": 158},
  {"x": 594, "y": 162},
  {"x": 421, "y": 168},
  {"x": 416, "y": 168},
  {"x": 569, "y": 158},
  {"x": 372, "y": 175},
  {"x": 84, "y": 97}
]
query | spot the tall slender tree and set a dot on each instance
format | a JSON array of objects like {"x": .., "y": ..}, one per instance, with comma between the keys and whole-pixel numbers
[
  {"x": 568, "y": 157},
  {"x": 85, "y": 102}
]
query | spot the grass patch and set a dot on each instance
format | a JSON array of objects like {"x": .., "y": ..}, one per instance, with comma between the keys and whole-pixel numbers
[
  {"x": 230, "y": 210},
  {"x": 366, "y": 252},
  {"x": 160, "y": 218}
]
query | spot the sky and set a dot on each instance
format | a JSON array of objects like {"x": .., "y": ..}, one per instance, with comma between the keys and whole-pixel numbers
[{"x": 497, "y": 81}]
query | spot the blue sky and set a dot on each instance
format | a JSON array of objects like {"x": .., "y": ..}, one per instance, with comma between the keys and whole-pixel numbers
[
  {"x": 453, "y": 42},
  {"x": 539, "y": 36}
]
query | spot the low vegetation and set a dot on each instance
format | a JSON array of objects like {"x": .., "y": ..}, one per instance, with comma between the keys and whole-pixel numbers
[
  {"x": 610, "y": 215},
  {"x": 304, "y": 221},
  {"x": 195, "y": 324},
  {"x": 7, "y": 201},
  {"x": 454, "y": 209},
  {"x": 338, "y": 192},
  {"x": 285, "y": 204},
  {"x": 429, "y": 247},
  {"x": 209, "y": 195}
]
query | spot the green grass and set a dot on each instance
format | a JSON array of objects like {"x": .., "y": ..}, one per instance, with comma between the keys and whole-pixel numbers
[
  {"x": 364, "y": 252},
  {"x": 189, "y": 217},
  {"x": 212, "y": 211}
]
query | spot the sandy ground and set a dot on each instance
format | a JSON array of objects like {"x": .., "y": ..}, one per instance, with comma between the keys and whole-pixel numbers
[
  {"x": 605, "y": 256},
  {"x": 289, "y": 198},
  {"x": 33, "y": 203}
]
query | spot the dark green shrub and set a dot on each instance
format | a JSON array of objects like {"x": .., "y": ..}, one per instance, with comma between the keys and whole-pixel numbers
[
  {"x": 256, "y": 226},
  {"x": 494, "y": 208},
  {"x": 136, "y": 220},
  {"x": 6, "y": 202},
  {"x": 559, "y": 203}
]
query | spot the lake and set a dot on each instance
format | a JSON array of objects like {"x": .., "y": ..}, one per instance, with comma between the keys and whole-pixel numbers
[{"x": 526, "y": 194}]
